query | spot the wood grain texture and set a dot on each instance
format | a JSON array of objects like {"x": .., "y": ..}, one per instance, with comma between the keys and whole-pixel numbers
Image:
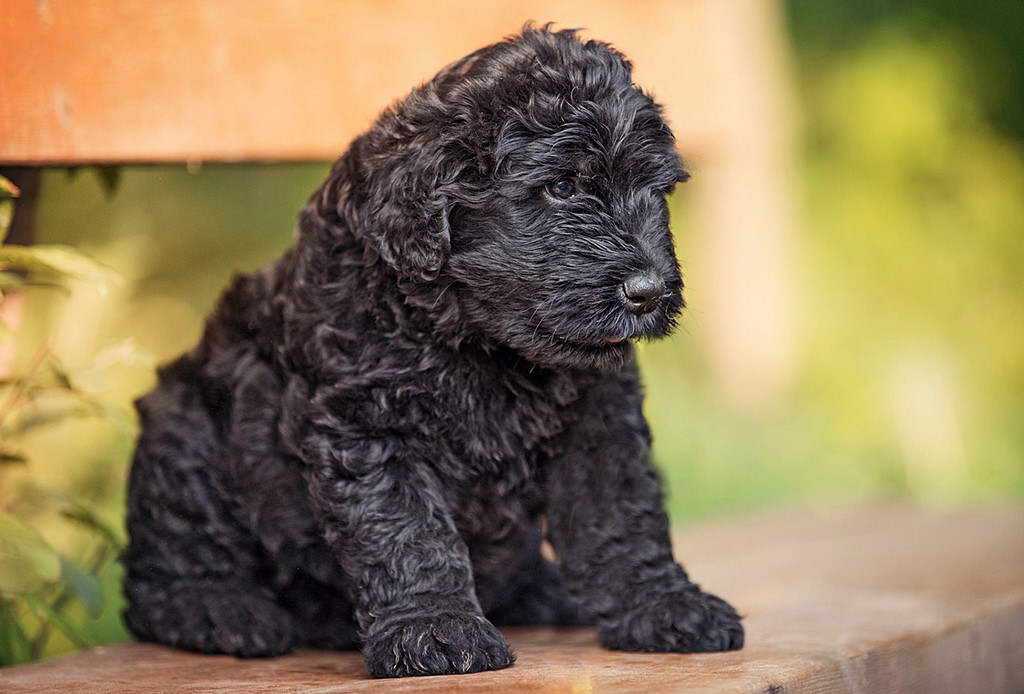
[
  {"x": 880, "y": 600},
  {"x": 192, "y": 80}
]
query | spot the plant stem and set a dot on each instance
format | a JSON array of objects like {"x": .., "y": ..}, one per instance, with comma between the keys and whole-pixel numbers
[{"x": 22, "y": 384}]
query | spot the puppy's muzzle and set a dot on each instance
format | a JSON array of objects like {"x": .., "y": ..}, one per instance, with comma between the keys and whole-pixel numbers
[{"x": 642, "y": 292}]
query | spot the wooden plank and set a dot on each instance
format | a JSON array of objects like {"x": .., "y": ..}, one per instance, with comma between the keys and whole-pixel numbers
[
  {"x": 882, "y": 599},
  {"x": 192, "y": 80}
]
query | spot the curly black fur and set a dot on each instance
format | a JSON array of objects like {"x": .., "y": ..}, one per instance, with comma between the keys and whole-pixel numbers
[{"x": 360, "y": 450}]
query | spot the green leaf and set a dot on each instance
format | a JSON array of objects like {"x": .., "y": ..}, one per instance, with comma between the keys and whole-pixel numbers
[
  {"x": 62, "y": 261},
  {"x": 83, "y": 584},
  {"x": 46, "y": 612},
  {"x": 8, "y": 190},
  {"x": 10, "y": 280},
  {"x": 62, "y": 377},
  {"x": 33, "y": 418},
  {"x": 6, "y": 216},
  {"x": 26, "y": 561},
  {"x": 15, "y": 646},
  {"x": 12, "y": 458},
  {"x": 88, "y": 518}
]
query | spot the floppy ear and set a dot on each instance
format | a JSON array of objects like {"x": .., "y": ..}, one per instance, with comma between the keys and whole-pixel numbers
[
  {"x": 402, "y": 209},
  {"x": 395, "y": 185}
]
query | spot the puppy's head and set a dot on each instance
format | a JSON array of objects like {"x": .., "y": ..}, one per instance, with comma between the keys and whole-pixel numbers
[{"x": 530, "y": 179}]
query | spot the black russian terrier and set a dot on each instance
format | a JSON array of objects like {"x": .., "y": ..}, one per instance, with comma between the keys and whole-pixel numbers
[{"x": 375, "y": 433}]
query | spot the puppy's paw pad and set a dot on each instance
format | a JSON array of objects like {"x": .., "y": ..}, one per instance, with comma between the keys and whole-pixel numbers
[
  {"x": 448, "y": 643},
  {"x": 688, "y": 622}
]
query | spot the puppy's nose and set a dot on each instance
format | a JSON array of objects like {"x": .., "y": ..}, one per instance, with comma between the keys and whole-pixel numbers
[{"x": 642, "y": 291}]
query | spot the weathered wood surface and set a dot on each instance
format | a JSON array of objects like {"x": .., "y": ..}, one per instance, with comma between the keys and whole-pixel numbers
[
  {"x": 176, "y": 80},
  {"x": 879, "y": 600}
]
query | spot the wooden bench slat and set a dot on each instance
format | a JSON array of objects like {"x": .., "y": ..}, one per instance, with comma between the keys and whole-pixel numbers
[
  {"x": 192, "y": 80},
  {"x": 878, "y": 599}
]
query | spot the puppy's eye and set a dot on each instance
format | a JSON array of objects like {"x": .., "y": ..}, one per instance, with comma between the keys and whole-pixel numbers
[{"x": 563, "y": 189}]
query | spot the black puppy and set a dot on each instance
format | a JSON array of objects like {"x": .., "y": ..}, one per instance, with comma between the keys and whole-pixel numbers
[{"x": 364, "y": 445}]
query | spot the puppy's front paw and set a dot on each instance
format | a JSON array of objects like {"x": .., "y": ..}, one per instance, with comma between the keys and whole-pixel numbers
[
  {"x": 448, "y": 643},
  {"x": 688, "y": 622}
]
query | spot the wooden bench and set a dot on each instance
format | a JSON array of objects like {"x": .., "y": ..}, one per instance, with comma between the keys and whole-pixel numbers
[{"x": 878, "y": 599}]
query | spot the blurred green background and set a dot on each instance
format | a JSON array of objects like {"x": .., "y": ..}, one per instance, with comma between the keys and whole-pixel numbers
[{"x": 908, "y": 251}]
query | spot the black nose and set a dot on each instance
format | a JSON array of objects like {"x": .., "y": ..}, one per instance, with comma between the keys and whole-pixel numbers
[{"x": 642, "y": 292}]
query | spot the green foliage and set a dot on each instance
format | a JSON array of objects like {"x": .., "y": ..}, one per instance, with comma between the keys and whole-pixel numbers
[
  {"x": 83, "y": 585},
  {"x": 37, "y": 585},
  {"x": 51, "y": 266},
  {"x": 987, "y": 35},
  {"x": 27, "y": 563},
  {"x": 89, "y": 519},
  {"x": 40, "y": 586},
  {"x": 15, "y": 645},
  {"x": 8, "y": 194},
  {"x": 914, "y": 204}
]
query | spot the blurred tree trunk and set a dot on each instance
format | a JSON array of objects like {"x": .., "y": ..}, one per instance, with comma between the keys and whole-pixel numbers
[{"x": 744, "y": 300}]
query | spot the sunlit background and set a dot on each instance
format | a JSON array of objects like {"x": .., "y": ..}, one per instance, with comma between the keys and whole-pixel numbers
[{"x": 852, "y": 243}]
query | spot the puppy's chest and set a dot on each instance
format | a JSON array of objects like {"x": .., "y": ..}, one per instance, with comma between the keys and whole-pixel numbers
[
  {"x": 508, "y": 418},
  {"x": 480, "y": 418},
  {"x": 498, "y": 437}
]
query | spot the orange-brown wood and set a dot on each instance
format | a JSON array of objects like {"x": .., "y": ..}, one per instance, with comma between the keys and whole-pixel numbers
[
  {"x": 879, "y": 600},
  {"x": 192, "y": 80}
]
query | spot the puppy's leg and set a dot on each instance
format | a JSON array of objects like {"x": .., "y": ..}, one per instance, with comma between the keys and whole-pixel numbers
[
  {"x": 324, "y": 612},
  {"x": 611, "y": 534},
  {"x": 538, "y": 596},
  {"x": 386, "y": 521},
  {"x": 189, "y": 567}
]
